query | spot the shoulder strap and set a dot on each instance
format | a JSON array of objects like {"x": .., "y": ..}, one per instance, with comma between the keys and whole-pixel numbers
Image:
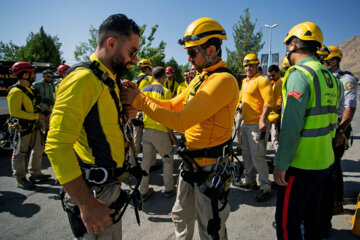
[
  {"x": 27, "y": 92},
  {"x": 224, "y": 69},
  {"x": 73, "y": 67},
  {"x": 172, "y": 86},
  {"x": 342, "y": 74},
  {"x": 138, "y": 79},
  {"x": 218, "y": 70},
  {"x": 104, "y": 77}
]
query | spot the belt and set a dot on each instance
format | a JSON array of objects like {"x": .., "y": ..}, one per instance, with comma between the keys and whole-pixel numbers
[
  {"x": 211, "y": 152},
  {"x": 208, "y": 156}
]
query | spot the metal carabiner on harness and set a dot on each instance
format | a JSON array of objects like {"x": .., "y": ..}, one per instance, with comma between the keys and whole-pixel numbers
[{"x": 88, "y": 175}]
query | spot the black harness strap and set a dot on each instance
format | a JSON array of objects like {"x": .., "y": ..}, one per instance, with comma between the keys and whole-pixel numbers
[
  {"x": 139, "y": 78},
  {"x": 136, "y": 171}
]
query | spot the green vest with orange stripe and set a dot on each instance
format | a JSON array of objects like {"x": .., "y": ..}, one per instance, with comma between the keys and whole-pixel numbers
[{"x": 314, "y": 151}]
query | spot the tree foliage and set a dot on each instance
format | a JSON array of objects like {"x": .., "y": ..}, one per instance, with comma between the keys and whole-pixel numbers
[
  {"x": 41, "y": 47},
  {"x": 178, "y": 70},
  {"x": 8, "y": 51},
  {"x": 85, "y": 49},
  {"x": 246, "y": 41},
  {"x": 155, "y": 54}
]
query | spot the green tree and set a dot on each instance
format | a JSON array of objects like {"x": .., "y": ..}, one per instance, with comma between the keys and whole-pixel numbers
[
  {"x": 41, "y": 47},
  {"x": 246, "y": 41},
  {"x": 8, "y": 51},
  {"x": 156, "y": 55},
  {"x": 85, "y": 49}
]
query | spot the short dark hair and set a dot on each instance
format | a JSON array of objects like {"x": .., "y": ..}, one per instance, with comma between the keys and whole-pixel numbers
[
  {"x": 213, "y": 41},
  {"x": 273, "y": 68},
  {"x": 309, "y": 47},
  {"x": 48, "y": 71},
  {"x": 117, "y": 25},
  {"x": 158, "y": 72}
]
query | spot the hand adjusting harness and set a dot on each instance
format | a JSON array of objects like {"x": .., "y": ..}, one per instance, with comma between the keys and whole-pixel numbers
[{"x": 96, "y": 175}]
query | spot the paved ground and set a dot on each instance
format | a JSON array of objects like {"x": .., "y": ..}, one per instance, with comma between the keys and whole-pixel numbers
[{"x": 37, "y": 214}]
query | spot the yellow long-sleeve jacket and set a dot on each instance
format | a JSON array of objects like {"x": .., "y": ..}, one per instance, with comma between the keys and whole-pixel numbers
[
  {"x": 206, "y": 118},
  {"x": 20, "y": 105},
  {"x": 85, "y": 121}
]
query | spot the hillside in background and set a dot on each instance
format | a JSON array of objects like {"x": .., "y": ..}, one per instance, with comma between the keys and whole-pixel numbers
[{"x": 351, "y": 52}]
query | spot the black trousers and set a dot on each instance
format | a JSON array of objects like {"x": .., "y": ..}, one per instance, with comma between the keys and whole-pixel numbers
[
  {"x": 334, "y": 187},
  {"x": 299, "y": 204}
]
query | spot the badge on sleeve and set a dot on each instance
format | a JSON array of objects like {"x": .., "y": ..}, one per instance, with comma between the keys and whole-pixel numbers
[
  {"x": 295, "y": 94},
  {"x": 349, "y": 86}
]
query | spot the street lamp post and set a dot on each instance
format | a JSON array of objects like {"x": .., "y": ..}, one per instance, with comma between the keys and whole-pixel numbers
[{"x": 271, "y": 27}]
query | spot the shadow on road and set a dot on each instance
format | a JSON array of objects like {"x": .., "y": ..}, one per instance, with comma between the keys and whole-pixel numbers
[
  {"x": 350, "y": 166},
  {"x": 342, "y": 234},
  {"x": 5, "y": 166},
  {"x": 239, "y": 196},
  {"x": 12, "y": 202}
]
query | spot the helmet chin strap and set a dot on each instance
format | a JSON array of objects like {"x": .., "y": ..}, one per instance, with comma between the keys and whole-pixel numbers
[
  {"x": 29, "y": 78},
  {"x": 288, "y": 54},
  {"x": 209, "y": 60}
]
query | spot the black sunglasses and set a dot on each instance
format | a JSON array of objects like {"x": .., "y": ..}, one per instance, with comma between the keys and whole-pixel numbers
[{"x": 193, "y": 52}]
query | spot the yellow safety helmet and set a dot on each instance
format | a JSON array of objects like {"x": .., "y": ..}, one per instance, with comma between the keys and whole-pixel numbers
[
  {"x": 323, "y": 52},
  {"x": 306, "y": 31},
  {"x": 251, "y": 58},
  {"x": 144, "y": 63},
  {"x": 200, "y": 31},
  {"x": 273, "y": 117},
  {"x": 334, "y": 52},
  {"x": 285, "y": 62}
]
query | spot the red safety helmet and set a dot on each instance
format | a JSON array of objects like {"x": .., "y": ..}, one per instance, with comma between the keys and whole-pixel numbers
[
  {"x": 62, "y": 69},
  {"x": 20, "y": 67},
  {"x": 169, "y": 69}
]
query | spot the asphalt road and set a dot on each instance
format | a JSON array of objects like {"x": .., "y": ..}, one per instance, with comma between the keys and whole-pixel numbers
[{"x": 37, "y": 214}]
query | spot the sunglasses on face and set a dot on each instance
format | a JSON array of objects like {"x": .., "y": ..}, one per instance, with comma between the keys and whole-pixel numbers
[
  {"x": 133, "y": 52},
  {"x": 48, "y": 76},
  {"x": 193, "y": 52}
]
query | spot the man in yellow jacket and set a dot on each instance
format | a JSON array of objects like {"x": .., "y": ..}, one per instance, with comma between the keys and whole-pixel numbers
[
  {"x": 22, "y": 109},
  {"x": 204, "y": 112},
  {"x": 85, "y": 144},
  {"x": 256, "y": 98}
]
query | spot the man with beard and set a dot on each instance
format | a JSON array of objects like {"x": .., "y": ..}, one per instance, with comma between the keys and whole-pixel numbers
[
  {"x": 22, "y": 109},
  {"x": 46, "y": 90},
  {"x": 204, "y": 112},
  {"x": 170, "y": 83},
  {"x": 86, "y": 139}
]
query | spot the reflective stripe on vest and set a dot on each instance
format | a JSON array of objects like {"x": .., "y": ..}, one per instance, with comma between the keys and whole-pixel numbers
[{"x": 314, "y": 150}]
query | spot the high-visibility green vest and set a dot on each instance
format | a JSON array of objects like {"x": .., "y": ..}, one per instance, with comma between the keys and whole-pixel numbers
[{"x": 315, "y": 150}]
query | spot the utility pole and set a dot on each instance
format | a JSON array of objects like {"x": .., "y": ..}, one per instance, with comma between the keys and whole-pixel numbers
[{"x": 271, "y": 27}]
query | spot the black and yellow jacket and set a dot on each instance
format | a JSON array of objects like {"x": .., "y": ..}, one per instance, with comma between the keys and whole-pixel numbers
[{"x": 84, "y": 119}]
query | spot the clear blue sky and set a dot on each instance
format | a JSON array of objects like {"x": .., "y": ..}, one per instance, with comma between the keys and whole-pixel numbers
[{"x": 70, "y": 20}]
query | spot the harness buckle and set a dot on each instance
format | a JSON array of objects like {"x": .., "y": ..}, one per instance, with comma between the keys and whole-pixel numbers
[{"x": 93, "y": 175}]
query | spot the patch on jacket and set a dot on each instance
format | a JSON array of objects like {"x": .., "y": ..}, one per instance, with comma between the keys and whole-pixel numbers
[{"x": 294, "y": 94}]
